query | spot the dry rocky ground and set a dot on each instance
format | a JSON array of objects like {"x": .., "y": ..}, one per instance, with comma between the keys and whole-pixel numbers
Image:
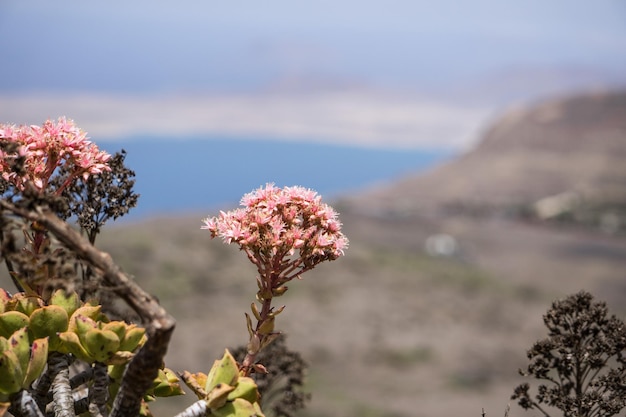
[{"x": 388, "y": 330}]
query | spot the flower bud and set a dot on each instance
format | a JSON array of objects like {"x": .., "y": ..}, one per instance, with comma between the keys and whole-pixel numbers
[
  {"x": 254, "y": 345},
  {"x": 277, "y": 292}
]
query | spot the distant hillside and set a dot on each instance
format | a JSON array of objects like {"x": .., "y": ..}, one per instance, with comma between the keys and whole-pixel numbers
[{"x": 559, "y": 159}]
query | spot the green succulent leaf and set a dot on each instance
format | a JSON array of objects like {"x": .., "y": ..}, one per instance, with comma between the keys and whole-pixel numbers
[
  {"x": 101, "y": 344},
  {"x": 167, "y": 384},
  {"x": 20, "y": 345},
  {"x": 237, "y": 408},
  {"x": 48, "y": 321},
  {"x": 133, "y": 338},
  {"x": 87, "y": 311},
  {"x": 11, "y": 375},
  {"x": 246, "y": 388},
  {"x": 70, "y": 343},
  {"x": 26, "y": 303},
  {"x": 11, "y": 321},
  {"x": 224, "y": 371},
  {"x": 117, "y": 327},
  {"x": 37, "y": 363},
  {"x": 80, "y": 325},
  {"x": 69, "y": 302},
  {"x": 218, "y": 396}
]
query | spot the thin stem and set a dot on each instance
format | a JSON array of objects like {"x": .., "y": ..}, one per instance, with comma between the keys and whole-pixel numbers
[
  {"x": 42, "y": 389},
  {"x": 82, "y": 405},
  {"x": 98, "y": 392},
  {"x": 595, "y": 410},
  {"x": 538, "y": 407},
  {"x": 251, "y": 354},
  {"x": 292, "y": 266},
  {"x": 197, "y": 409},
  {"x": 81, "y": 378}
]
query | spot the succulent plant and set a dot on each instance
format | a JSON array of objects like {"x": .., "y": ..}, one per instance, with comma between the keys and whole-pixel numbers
[
  {"x": 225, "y": 391},
  {"x": 92, "y": 339},
  {"x": 70, "y": 326},
  {"x": 21, "y": 362}
]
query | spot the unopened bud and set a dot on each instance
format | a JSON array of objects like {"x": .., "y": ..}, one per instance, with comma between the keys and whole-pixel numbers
[
  {"x": 277, "y": 312},
  {"x": 254, "y": 345},
  {"x": 277, "y": 292},
  {"x": 255, "y": 311}
]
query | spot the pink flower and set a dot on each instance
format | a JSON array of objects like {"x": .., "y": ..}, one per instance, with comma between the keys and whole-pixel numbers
[
  {"x": 284, "y": 232},
  {"x": 49, "y": 147}
]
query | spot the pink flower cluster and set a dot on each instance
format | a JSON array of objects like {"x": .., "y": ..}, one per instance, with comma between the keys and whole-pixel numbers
[
  {"x": 48, "y": 147},
  {"x": 284, "y": 231}
]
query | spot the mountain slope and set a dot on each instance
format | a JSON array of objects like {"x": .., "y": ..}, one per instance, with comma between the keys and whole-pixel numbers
[{"x": 572, "y": 149}]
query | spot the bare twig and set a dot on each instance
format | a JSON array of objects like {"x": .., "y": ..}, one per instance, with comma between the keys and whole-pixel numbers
[
  {"x": 23, "y": 404},
  {"x": 81, "y": 378},
  {"x": 61, "y": 391},
  {"x": 98, "y": 392},
  {"x": 42, "y": 389}
]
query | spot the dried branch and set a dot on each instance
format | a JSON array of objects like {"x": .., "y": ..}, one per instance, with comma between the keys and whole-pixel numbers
[
  {"x": 81, "y": 378},
  {"x": 42, "y": 389},
  {"x": 23, "y": 404},
  {"x": 98, "y": 392},
  {"x": 61, "y": 390},
  {"x": 143, "y": 368}
]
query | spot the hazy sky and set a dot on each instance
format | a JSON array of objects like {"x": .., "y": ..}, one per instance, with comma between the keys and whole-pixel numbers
[
  {"x": 405, "y": 74},
  {"x": 200, "y": 45}
]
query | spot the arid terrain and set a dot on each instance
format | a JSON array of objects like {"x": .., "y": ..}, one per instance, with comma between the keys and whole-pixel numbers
[{"x": 447, "y": 276}]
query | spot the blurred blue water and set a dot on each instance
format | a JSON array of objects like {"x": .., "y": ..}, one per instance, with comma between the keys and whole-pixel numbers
[{"x": 200, "y": 175}]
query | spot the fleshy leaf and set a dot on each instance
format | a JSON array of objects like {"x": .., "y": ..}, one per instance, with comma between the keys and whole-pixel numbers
[
  {"x": 20, "y": 345},
  {"x": 69, "y": 302},
  {"x": 246, "y": 388},
  {"x": 37, "y": 363},
  {"x": 218, "y": 395},
  {"x": 48, "y": 321},
  {"x": 236, "y": 408},
  {"x": 70, "y": 343},
  {"x": 89, "y": 311},
  {"x": 11, "y": 375},
  {"x": 117, "y": 327},
  {"x": 11, "y": 321},
  {"x": 168, "y": 384},
  {"x": 224, "y": 371},
  {"x": 101, "y": 344},
  {"x": 26, "y": 304},
  {"x": 133, "y": 338}
]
